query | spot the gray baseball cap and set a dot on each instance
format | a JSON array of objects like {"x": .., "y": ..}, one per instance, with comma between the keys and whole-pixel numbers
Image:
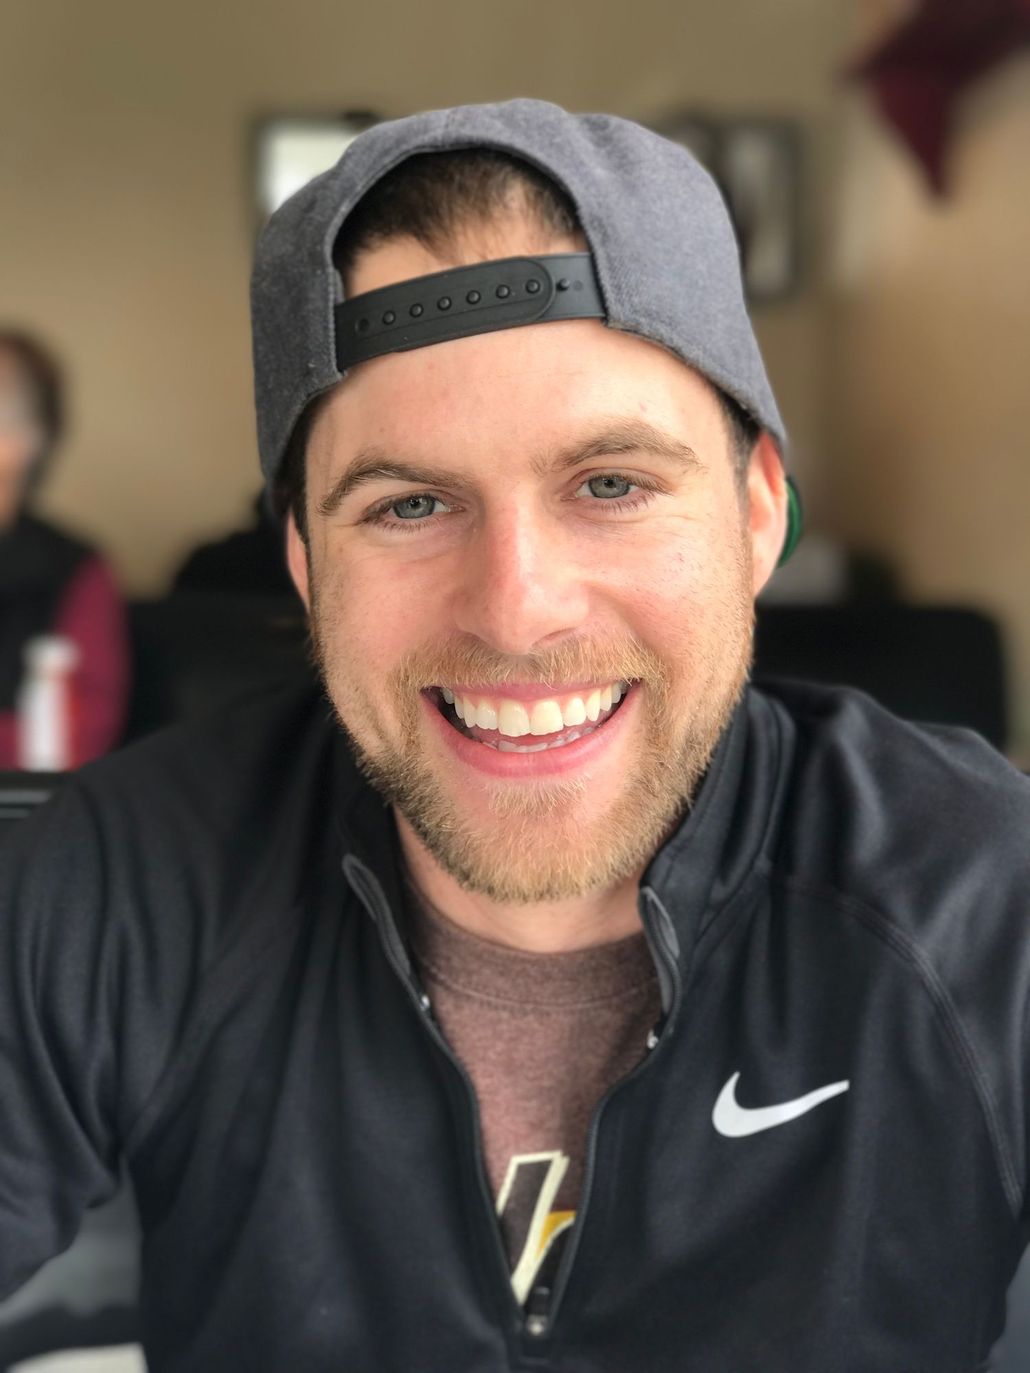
[{"x": 664, "y": 254}]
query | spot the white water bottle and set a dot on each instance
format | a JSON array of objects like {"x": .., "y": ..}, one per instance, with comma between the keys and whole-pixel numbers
[{"x": 44, "y": 704}]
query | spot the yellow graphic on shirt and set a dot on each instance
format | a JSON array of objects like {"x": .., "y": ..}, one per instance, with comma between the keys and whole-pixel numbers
[
  {"x": 525, "y": 1201},
  {"x": 555, "y": 1223}
]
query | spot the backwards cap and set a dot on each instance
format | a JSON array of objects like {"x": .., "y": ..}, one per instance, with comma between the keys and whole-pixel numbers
[{"x": 664, "y": 255}]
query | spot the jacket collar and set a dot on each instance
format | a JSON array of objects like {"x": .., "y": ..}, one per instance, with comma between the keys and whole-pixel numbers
[{"x": 721, "y": 840}]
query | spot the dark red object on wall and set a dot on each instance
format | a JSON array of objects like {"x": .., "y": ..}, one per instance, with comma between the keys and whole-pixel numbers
[{"x": 919, "y": 71}]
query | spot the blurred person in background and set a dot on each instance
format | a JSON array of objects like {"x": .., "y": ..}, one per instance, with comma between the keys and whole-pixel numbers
[
  {"x": 51, "y": 583},
  {"x": 249, "y": 561}
]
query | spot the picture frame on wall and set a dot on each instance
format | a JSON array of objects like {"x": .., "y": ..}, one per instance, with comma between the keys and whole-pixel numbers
[
  {"x": 700, "y": 134},
  {"x": 760, "y": 173},
  {"x": 289, "y": 149}
]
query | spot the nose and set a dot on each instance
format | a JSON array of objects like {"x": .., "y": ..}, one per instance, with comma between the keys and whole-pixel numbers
[{"x": 522, "y": 587}]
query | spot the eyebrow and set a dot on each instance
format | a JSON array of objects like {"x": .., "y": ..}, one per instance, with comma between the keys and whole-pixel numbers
[{"x": 373, "y": 463}]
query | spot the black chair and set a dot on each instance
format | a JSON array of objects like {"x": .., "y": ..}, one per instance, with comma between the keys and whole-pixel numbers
[{"x": 938, "y": 664}]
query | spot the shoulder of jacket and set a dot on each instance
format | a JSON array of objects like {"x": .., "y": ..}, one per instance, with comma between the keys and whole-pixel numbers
[
  {"x": 224, "y": 820},
  {"x": 920, "y": 836},
  {"x": 891, "y": 792},
  {"x": 928, "y": 827},
  {"x": 256, "y": 750}
]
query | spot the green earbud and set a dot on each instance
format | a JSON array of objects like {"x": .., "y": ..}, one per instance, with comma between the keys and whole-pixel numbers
[{"x": 795, "y": 522}]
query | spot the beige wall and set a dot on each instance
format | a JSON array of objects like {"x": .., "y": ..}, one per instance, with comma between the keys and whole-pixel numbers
[{"x": 126, "y": 213}]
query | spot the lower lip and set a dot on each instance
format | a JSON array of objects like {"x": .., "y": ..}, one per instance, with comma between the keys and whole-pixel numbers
[{"x": 550, "y": 762}]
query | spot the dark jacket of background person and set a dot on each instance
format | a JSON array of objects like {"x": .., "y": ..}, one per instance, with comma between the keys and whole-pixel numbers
[
  {"x": 50, "y": 581},
  {"x": 247, "y": 561}
]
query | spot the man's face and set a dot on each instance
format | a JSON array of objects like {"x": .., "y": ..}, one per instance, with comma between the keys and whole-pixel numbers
[{"x": 538, "y": 530}]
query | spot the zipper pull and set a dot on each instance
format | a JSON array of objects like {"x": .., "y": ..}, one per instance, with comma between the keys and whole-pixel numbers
[{"x": 538, "y": 1304}]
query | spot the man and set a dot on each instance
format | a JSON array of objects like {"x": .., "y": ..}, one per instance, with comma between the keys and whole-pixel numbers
[{"x": 653, "y": 1022}]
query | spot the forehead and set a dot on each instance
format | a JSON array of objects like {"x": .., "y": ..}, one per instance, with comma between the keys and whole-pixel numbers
[{"x": 503, "y": 403}]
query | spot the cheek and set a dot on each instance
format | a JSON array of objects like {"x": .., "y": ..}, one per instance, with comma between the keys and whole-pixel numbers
[
  {"x": 681, "y": 584},
  {"x": 369, "y": 614}
]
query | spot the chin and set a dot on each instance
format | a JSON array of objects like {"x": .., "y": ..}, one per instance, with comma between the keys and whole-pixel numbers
[{"x": 546, "y": 841}]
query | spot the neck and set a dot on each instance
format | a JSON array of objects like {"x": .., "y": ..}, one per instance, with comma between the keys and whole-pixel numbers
[{"x": 598, "y": 917}]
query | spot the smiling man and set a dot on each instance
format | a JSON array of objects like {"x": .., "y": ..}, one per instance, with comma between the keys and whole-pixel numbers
[{"x": 551, "y": 999}]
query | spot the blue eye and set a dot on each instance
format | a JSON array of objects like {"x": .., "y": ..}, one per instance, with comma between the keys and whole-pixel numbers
[
  {"x": 421, "y": 507},
  {"x": 609, "y": 487},
  {"x": 414, "y": 507}
]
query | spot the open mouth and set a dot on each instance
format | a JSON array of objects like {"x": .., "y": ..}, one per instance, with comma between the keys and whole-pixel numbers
[{"x": 528, "y": 726}]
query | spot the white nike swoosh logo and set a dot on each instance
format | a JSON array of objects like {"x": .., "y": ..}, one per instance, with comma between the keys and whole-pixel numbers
[{"x": 735, "y": 1121}]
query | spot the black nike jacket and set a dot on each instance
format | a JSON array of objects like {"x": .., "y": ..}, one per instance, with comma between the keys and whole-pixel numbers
[{"x": 203, "y": 968}]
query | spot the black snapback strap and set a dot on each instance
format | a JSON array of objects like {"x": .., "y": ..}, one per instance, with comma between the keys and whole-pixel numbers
[{"x": 466, "y": 300}]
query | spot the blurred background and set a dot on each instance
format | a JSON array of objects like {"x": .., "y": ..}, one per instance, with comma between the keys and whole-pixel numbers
[{"x": 875, "y": 152}]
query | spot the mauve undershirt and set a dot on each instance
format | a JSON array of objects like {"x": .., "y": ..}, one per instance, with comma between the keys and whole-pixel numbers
[{"x": 543, "y": 1037}]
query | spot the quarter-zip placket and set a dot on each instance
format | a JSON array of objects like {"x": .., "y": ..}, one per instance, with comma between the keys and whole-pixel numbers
[
  {"x": 537, "y": 1319},
  {"x": 370, "y": 893},
  {"x": 661, "y": 939}
]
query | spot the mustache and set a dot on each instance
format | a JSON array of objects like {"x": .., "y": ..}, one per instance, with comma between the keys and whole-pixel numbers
[{"x": 575, "y": 660}]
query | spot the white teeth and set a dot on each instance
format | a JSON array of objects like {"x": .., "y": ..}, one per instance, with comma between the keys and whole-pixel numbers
[
  {"x": 513, "y": 719},
  {"x": 486, "y": 716},
  {"x": 546, "y": 718},
  {"x": 575, "y": 712}
]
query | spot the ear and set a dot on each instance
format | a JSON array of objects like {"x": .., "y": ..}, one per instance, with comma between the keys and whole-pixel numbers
[
  {"x": 297, "y": 560},
  {"x": 767, "y": 509}
]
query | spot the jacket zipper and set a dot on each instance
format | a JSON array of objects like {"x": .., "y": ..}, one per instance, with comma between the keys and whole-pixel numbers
[
  {"x": 536, "y": 1323},
  {"x": 539, "y": 1325},
  {"x": 367, "y": 886}
]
